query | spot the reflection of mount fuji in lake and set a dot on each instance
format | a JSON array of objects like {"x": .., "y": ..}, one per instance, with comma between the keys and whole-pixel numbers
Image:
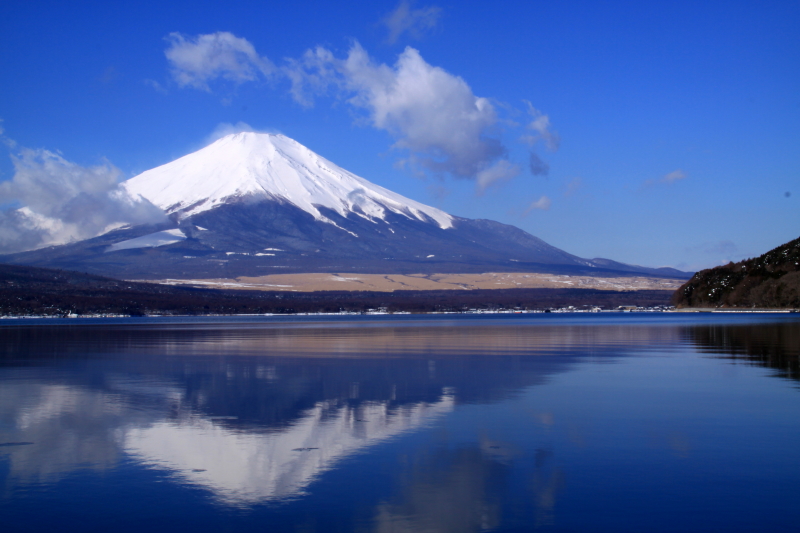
[
  {"x": 257, "y": 412},
  {"x": 67, "y": 427},
  {"x": 251, "y": 467}
]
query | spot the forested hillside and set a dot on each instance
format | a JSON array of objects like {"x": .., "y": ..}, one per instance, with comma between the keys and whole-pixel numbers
[{"x": 771, "y": 280}]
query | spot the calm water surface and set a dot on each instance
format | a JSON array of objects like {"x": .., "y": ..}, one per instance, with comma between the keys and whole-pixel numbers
[{"x": 616, "y": 423}]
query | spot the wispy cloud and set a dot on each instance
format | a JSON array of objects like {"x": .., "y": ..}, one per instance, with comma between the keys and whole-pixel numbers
[
  {"x": 574, "y": 185},
  {"x": 496, "y": 174},
  {"x": 405, "y": 19},
  {"x": 667, "y": 179},
  {"x": 537, "y": 166},
  {"x": 110, "y": 75},
  {"x": 226, "y": 128},
  {"x": 196, "y": 61},
  {"x": 672, "y": 177},
  {"x": 542, "y": 204},
  {"x": 541, "y": 130},
  {"x": 10, "y": 143},
  {"x": 724, "y": 247},
  {"x": 438, "y": 191},
  {"x": 156, "y": 86},
  {"x": 52, "y": 201},
  {"x": 718, "y": 252}
]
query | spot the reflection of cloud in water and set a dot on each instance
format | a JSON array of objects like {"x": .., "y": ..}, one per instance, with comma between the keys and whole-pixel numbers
[
  {"x": 58, "y": 428},
  {"x": 245, "y": 468},
  {"x": 546, "y": 484},
  {"x": 677, "y": 442},
  {"x": 68, "y": 427},
  {"x": 445, "y": 493}
]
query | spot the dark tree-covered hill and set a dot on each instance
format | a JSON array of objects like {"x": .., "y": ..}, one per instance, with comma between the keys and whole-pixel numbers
[{"x": 771, "y": 280}]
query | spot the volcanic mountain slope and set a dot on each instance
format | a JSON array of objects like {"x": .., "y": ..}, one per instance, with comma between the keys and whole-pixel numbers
[
  {"x": 771, "y": 280},
  {"x": 252, "y": 204}
]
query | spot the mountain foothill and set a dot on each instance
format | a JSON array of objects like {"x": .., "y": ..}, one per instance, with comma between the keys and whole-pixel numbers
[{"x": 771, "y": 280}]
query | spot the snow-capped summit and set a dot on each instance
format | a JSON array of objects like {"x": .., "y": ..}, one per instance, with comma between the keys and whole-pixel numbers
[{"x": 263, "y": 166}]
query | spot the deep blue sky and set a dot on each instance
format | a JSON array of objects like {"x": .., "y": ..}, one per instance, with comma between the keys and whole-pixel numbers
[{"x": 679, "y": 122}]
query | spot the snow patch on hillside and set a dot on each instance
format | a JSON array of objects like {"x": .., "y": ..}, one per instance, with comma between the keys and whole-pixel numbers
[{"x": 160, "y": 238}]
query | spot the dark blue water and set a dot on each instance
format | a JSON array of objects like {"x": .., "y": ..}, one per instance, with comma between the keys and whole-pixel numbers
[{"x": 606, "y": 423}]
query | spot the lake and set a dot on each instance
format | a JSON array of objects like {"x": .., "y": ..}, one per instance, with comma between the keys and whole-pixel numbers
[{"x": 610, "y": 422}]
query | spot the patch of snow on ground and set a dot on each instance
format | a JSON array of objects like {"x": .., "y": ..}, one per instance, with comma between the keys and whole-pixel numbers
[
  {"x": 218, "y": 283},
  {"x": 160, "y": 238}
]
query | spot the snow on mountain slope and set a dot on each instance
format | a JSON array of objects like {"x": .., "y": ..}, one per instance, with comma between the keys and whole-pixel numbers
[
  {"x": 153, "y": 240},
  {"x": 266, "y": 166}
]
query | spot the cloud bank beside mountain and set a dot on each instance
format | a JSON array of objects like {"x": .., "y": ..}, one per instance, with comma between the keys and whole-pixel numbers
[{"x": 51, "y": 201}]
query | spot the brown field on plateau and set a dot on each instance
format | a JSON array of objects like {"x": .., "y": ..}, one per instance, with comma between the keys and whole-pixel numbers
[{"x": 421, "y": 282}]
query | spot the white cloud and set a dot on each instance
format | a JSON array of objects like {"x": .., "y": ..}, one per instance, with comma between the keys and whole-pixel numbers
[
  {"x": 430, "y": 112},
  {"x": 433, "y": 115},
  {"x": 413, "y": 21},
  {"x": 196, "y": 61},
  {"x": 542, "y": 204},
  {"x": 496, "y": 174},
  {"x": 311, "y": 75},
  {"x": 62, "y": 201}
]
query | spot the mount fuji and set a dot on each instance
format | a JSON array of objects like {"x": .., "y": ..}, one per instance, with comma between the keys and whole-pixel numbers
[{"x": 252, "y": 204}]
